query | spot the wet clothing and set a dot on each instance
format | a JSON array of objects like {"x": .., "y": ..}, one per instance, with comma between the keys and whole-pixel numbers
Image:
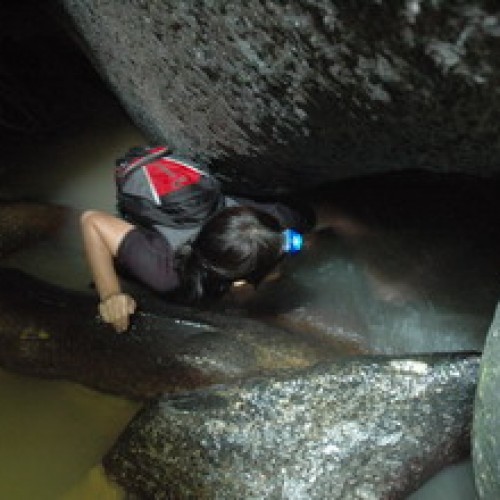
[{"x": 149, "y": 254}]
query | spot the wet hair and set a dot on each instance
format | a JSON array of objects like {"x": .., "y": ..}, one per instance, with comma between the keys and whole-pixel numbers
[{"x": 238, "y": 243}]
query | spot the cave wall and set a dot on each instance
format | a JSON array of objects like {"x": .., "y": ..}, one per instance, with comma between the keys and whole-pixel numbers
[{"x": 305, "y": 91}]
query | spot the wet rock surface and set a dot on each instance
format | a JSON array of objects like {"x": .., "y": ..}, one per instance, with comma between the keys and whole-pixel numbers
[
  {"x": 303, "y": 92},
  {"x": 412, "y": 265},
  {"x": 486, "y": 446},
  {"x": 48, "y": 331},
  {"x": 357, "y": 428}
]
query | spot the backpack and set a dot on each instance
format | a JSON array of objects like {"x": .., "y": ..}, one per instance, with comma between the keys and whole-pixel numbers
[{"x": 156, "y": 188}]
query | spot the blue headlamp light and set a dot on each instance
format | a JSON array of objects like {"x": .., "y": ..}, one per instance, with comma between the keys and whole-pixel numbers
[{"x": 292, "y": 241}]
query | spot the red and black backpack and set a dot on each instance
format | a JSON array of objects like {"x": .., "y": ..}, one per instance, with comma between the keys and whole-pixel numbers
[{"x": 155, "y": 187}]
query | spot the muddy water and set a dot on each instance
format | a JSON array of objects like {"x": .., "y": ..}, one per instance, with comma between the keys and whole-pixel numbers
[
  {"x": 52, "y": 437},
  {"x": 53, "y": 433}
]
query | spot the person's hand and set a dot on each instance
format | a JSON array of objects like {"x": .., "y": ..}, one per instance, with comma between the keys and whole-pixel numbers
[{"x": 116, "y": 310}]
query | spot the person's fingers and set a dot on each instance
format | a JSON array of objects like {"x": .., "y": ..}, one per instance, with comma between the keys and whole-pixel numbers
[
  {"x": 108, "y": 311},
  {"x": 121, "y": 324},
  {"x": 116, "y": 310},
  {"x": 131, "y": 305},
  {"x": 120, "y": 313},
  {"x": 104, "y": 313}
]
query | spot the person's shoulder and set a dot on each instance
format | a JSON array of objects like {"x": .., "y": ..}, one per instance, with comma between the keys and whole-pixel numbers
[{"x": 290, "y": 211}]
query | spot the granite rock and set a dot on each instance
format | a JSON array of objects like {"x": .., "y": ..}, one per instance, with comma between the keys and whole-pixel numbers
[
  {"x": 296, "y": 93},
  {"x": 371, "y": 428}
]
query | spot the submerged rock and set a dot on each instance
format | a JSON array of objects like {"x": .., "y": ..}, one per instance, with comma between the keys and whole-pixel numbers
[
  {"x": 299, "y": 92},
  {"x": 370, "y": 427},
  {"x": 486, "y": 442}
]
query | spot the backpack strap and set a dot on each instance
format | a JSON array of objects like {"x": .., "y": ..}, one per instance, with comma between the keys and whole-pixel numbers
[{"x": 125, "y": 167}]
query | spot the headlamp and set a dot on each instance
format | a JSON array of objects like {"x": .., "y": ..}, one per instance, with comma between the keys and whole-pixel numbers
[{"x": 292, "y": 241}]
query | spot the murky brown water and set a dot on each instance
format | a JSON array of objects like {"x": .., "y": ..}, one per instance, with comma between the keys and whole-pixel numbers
[{"x": 53, "y": 433}]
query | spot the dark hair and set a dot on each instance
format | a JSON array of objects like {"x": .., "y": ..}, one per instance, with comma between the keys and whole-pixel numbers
[{"x": 237, "y": 243}]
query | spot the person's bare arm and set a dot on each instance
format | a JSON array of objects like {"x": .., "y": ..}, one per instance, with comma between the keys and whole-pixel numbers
[{"x": 102, "y": 235}]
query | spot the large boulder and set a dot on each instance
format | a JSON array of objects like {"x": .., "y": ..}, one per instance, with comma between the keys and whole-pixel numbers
[
  {"x": 486, "y": 443},
  {"x": 369, "y": 428},
  {"x": 303, "y": 91}
]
